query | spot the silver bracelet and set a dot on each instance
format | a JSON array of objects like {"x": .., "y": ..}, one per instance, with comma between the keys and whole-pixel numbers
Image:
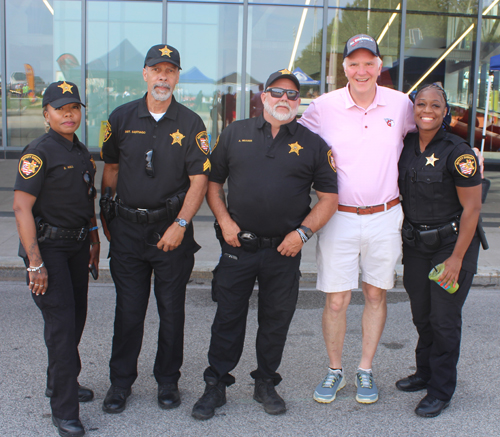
[
  {"x": 35, "y": 269},
  {"x": 303, "y": 236}
]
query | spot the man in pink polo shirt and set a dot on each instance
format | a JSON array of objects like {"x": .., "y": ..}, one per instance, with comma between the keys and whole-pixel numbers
[{"x": 364, "y": 125}]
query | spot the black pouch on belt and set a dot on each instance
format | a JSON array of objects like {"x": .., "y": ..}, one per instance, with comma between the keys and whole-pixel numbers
[
  {"x": 249, "y": 241},
  {"x": 430, "y": 238},
  {"x": 408, "y": 233}
]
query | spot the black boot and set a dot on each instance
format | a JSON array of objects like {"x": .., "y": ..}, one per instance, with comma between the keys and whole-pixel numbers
[
  {"x": 214, "y": 397},
  {"x": 266, "y": 394}
]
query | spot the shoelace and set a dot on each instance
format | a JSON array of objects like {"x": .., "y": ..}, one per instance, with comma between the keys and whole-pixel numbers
[
  {"x": 365, "y": 380},
  {"x": 331, "y": 379}
]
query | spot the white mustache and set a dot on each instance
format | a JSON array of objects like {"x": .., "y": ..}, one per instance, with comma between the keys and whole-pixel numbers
[{"x": 162, "y": 85}]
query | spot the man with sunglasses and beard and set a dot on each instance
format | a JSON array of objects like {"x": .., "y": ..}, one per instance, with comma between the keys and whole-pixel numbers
[
  {"x": 156, "y": 161},
  {"x": 270, "y": 163}
]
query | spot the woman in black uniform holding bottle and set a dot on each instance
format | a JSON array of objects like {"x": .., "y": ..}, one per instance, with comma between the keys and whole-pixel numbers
[
  {"x": 54, "y": 208},
  {"x": 440, "y": 182}
]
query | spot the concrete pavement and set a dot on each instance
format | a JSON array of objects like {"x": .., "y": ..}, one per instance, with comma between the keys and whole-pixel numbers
[{"x": 25, "y": 412}]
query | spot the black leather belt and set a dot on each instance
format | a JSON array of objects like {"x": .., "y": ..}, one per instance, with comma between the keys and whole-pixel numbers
[
  {"x": 444, "y": 231},
  {"x": 140, "y": 215},
  {"x": 251, "y": 243},
  {"x": 57, "y": 233}
]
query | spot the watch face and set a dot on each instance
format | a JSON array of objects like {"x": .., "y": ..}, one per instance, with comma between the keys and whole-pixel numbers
[{"x": 181, "y": 222}]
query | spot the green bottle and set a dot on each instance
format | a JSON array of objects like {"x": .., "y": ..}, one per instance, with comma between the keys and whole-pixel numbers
[{"x": 435, "y": 273}]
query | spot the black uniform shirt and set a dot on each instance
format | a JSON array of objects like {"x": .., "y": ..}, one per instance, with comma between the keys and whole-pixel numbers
[
  {"x": 52, "y": 169},
  {"x": 427, "y": 180},
  {"x": 270, "y": 179},
  {"x": 180, "y": 149}
]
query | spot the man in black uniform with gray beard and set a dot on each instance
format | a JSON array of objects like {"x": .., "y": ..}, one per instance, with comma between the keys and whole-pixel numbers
[
  {"x": 270, "y": 163},
  {"x": 156, "y": 158}
]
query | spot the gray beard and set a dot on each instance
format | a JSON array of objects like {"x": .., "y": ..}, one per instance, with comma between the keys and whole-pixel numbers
[
  {"x": 160, "y": 96},
  {"x": 279, "y": 115}
]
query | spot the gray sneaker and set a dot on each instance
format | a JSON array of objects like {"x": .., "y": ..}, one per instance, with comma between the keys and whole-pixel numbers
[
  {"x": 326, "y": 391},
  {"x": 367, "y": 389}
]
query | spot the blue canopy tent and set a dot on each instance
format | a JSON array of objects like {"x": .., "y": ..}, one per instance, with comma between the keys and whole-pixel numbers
[
  {"x": 495, "y": 62},
  {"x": 303, "y": 78},
  {"x": 194, "y": 75}
]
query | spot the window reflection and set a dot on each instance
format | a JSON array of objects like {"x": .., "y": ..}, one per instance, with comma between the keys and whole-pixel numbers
[
  {"x": 37, "y": 37},
  {"x": 284, "y": 37},
  {"x": 208, "y": 38},
  {"x": 119, "y": 35}
]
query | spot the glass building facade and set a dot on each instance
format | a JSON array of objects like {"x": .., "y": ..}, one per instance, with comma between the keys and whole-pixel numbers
[{"x": 229, "y": 48}]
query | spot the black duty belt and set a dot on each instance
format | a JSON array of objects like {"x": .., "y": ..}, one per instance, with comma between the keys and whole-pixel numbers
[
  {"x": 58, "y": 233},
  {"x": 444, "y": 231},
  {"x": 251, "y": 242},
  {"x": 140, "y": 215}
]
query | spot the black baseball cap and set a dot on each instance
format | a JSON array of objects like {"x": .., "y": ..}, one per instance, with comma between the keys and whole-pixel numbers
[
  {"x": 283, "y": 74},
  {"x": 361, "y": 41},
  {"x": 162, "y": 53},
  {"x": 61, "y": 93}
]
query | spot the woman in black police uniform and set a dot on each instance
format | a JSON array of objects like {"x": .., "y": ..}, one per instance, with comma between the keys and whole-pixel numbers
[
  {"x": 440, "y": 183},
  {"x": 54, "y": 208}
]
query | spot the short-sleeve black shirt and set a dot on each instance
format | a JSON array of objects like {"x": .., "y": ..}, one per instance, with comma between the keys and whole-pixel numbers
[
  {"x": 52, "y": 169},
  {"x": 269, "y": 179},
  {"x": 180, "y": 149},
  {"x": 428, "y": 180}
]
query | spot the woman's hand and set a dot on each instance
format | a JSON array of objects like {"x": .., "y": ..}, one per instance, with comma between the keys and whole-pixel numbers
[
  {"x": 449, "y": 277},
  {"x": 39, "y": 281}
]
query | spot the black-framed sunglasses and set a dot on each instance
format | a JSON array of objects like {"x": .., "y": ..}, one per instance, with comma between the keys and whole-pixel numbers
[
  {"x": 87, "y": 178},
  {"x": 150, "y": 170},
  {"x": 278, "y": 92}
]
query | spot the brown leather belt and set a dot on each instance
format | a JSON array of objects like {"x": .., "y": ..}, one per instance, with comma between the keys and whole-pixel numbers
[{"x": 364, "y": 210}]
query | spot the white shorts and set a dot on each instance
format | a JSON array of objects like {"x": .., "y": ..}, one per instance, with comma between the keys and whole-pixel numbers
[{"x": 349, "y": 242}]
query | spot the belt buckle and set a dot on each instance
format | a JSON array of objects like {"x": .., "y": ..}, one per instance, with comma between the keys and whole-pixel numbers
[
  {"x": 424, "y": 227},
  {"x": 83, "y": 234},
  {"x": 142, "y": 215},
  {"x": 362, "y": 210}
]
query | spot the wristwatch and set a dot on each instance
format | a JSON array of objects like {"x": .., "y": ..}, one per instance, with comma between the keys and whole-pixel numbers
[
  {"x": 181, "y": 222},
  {"x": 307, "y": 231}
]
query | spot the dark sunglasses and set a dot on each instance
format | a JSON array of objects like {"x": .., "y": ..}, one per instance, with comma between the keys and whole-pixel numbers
[
  {"x": 278, "y": 92},
  {"x": 150, "y": 170},
  {"x": 87, "y": 178}
]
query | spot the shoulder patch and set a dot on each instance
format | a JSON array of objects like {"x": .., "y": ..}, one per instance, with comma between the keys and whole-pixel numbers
[
  {"x": 30, "y": 165},
  {"x": 203, "y": 143},
  {"x": 217, "y": 142},
  {"x": 331, "y": 161},
  {"x": 107, "y": 131},
  {"x": 466, "y": 165}
]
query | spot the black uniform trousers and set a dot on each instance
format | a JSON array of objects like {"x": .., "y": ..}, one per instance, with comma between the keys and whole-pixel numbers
[
  {"x": 64, "y": 310},
  {"x": 437, "y": 314},
  {"x": 134, "y": 256},
  {"x": 234, "y": 279}
]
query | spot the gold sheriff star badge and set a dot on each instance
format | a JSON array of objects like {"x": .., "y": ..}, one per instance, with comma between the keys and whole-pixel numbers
[
  {"x": 65, "y": 87},
  {"x": 285, "y": 71},
  {"x": 295, "y": 148},
  {"x": 177, "y": 137},
  {"x": 165, "y": 51},
  {"x": 431, "y": 160}
]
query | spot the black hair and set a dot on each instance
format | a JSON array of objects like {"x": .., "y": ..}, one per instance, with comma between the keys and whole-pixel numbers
[
  {"x": 439, "y": 88},
  {"x": 433, "y": 86}
]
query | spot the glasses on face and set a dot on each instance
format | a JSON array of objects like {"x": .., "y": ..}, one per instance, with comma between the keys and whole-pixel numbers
[
  {"x": 150, "y": 170},
  {"x": 278, "y": 92},
  {"x": 87, "y": 178}
]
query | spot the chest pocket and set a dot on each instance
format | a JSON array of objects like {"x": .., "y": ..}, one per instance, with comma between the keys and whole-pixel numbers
[{"x": 429, "y": 177}]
